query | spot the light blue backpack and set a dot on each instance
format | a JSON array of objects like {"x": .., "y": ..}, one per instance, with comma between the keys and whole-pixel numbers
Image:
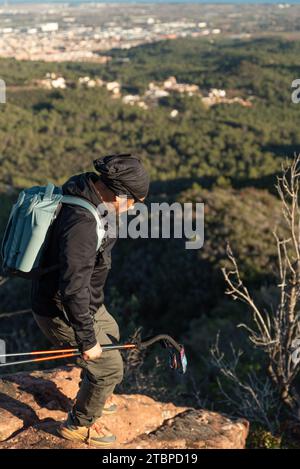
[{"x": 28, "y": 225}]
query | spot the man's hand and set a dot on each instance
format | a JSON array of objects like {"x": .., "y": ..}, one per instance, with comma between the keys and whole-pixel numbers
[{"x": 93, "y": 353}]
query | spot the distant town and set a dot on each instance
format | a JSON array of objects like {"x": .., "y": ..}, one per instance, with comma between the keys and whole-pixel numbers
[
  {"x": 64, "y": 32},
  {"x": 152, "y": 95}
]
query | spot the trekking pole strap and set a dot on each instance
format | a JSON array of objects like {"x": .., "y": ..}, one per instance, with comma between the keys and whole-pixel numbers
[{"x": 158, "y": 338}]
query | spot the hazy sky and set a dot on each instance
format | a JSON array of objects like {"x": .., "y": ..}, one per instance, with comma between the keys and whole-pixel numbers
[{"x": 148, "y": 1}]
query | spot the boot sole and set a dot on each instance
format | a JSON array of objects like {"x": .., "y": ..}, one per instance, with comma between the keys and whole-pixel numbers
[{"x": 71, "y": 436}]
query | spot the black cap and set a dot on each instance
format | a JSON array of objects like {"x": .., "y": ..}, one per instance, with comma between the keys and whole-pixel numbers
[{"x": 124, "y": 174}]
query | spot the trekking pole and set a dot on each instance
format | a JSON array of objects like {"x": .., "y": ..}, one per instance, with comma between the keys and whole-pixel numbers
[
  {"x": 177, "y": 354},
  {"x": 70, "y": 350},
  {"x": 66, "y": 353},
  {"x": 34, "y": 360}
]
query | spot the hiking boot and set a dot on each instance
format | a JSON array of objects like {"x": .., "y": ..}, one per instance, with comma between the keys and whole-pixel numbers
[
  {"x": 96, "y": 435},
  {"x": 110, "y": 407}
]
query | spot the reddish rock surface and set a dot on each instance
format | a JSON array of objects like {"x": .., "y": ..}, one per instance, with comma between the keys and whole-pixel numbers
[{"x": 32, "y": 405}]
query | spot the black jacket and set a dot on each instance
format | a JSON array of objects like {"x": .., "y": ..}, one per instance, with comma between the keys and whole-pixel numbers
[{"x": 76, "y": 289}]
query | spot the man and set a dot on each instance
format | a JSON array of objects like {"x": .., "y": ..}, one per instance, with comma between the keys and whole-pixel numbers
[{"x": 68, "y": 304}]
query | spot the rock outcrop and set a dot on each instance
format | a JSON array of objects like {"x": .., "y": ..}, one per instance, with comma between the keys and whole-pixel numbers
[{"x": 33, "y": 404}]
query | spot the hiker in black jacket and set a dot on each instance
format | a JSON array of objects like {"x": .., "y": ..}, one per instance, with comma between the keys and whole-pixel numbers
[{"x": 68, "y": 304}]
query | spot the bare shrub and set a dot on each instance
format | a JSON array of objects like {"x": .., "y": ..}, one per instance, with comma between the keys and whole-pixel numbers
[
  {"x": 274, "y": 332},
  {"x": 254, "y": 397}
]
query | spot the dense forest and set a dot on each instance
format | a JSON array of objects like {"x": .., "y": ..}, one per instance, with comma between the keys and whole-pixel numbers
[
  {"x": 44, "y": 135},
  {"x": 226, "y": 156}
]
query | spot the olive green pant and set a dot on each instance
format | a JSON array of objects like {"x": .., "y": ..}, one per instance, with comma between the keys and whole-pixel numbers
[{"x": 99, "y": 377}]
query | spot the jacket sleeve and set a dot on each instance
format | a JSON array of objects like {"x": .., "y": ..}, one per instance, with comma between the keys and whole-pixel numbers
[{"x": 77, "y": 254}]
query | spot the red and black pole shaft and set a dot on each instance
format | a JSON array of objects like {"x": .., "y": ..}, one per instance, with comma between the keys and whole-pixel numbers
[
  {"x": 60, "y": 353},
  {"x": 68, "y": 350}
]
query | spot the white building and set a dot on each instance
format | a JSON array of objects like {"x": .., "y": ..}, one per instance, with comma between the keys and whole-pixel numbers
[
  {"x": 130, "y": 99},
  {"x": 174, "y": 113},
  {"x": 114, "y": 87},
  {"x": 215, "y": 93},
  {"x": 59, "y": 82},
  {"x": 49, "y": 27},
  {"x": 170, "y": 83}
]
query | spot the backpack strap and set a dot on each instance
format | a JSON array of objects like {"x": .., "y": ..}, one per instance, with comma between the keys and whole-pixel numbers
[
  {"x": 49, "y": 191},
  {"x": 70, "y": 199}
]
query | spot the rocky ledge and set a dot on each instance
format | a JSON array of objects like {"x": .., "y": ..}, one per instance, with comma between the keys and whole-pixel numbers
[{"x": 32, "y": 405}]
